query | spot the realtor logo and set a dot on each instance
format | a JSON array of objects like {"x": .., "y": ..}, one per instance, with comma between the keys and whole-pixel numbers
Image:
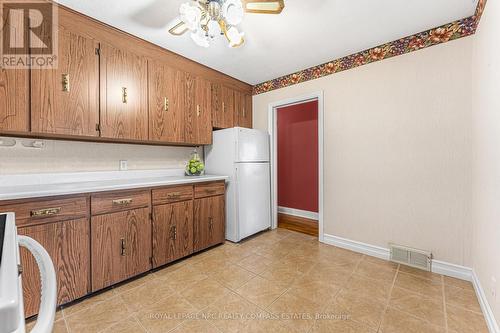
[{"x": 28, "y": 34}]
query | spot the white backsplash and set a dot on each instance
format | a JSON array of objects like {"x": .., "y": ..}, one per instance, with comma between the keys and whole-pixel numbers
[{"x": 72, "y": 156}]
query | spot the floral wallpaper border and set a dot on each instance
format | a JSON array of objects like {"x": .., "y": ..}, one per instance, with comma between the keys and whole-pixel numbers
[{"x": 458, "y": 29}]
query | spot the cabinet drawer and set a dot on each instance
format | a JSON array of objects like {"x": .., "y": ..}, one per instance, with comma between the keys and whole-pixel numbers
[
  {"x": 49, "y": 210},
  {"x": 118, "y": 201},
  {"x": 209, "y": 189},
  {"x": 172, "y": 194}
]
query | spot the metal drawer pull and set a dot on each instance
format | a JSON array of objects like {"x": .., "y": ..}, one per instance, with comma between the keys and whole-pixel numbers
[
  {"x": 174, "y": 195},
  {"x": 122, "y": 247},
  {"x": 210, "y": 191},
  {"x": 223, "y": 107},
  {"x": 122, "y": 202},
  {"x": 198, "y": 111},
  {"x": 210, "y": 223},
  {"x": 45, "y": 212}
]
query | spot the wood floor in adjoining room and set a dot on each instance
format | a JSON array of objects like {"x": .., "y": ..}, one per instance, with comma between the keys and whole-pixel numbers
[
  {"x": 299, "y": 224},
  {"x": 280, "y": 281}
]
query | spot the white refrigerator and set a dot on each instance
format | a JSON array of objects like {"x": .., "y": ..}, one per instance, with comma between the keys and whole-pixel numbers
[{"x": 243, "y": 155}]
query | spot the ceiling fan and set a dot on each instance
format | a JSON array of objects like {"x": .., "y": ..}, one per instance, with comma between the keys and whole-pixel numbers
[{"x": 206, "y": 19}]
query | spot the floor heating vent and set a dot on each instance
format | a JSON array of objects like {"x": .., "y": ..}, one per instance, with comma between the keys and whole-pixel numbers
[{"x": 411, "y": 257}]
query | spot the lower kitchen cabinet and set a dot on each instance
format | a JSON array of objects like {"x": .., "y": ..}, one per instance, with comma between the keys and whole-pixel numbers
[
  {"x": 121, "y": 246},
  {"x": 68, "y": 244},
  {"x": 209, "y": 222},
  {"x": 172, "y": 232}
]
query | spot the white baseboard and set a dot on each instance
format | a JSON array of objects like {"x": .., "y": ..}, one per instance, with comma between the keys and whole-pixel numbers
[
  {"x": 370, "y": 250},
  {"x": 298, "y": 212},
  {"x": 485, "y": 306},
  {"x": 439, "y": 267}
]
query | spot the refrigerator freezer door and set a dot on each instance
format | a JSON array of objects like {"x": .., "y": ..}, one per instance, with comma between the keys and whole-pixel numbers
[
  {"x": 254, "y": 198},
  {"x": 252, "y": 145}
]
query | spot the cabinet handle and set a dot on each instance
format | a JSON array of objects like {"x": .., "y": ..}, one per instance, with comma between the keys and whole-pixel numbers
[
  {"x": 65, "y": 82},
  {"x": 223, "y": 107},
  {"x": 175, "y": 195},
  {"x": 198, "y": 112},
  {"x": 122, "y": 202},
  {"x": 122, "y": 247},
  {"x": 173, "y": 233},
  {"x": 124, "y": 95},
  {"x": 165, "y": 104},
  {"x": 210, "y": 191},
  {"x": 244, "y": 113},
  {"x": 210, "y": 223},
  {"x": 45, "y": 212}
]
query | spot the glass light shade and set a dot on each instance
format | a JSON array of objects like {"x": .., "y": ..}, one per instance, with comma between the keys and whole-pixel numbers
[
  {"x": 190, "y": 15},
  {"x": 213, "y": 28},
  {"x": 232, "y": 10},
  {"x": 200, "y": 38},
  {"x": 213, "y": 9},
  {"x": 235, "y": 37}
]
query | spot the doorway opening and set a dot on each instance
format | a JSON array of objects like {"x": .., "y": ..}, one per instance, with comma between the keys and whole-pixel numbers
[{"x": 296, "y": 128}]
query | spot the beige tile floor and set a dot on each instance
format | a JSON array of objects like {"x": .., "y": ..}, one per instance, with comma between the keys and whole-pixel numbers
[{"x": 280, "y": 281}]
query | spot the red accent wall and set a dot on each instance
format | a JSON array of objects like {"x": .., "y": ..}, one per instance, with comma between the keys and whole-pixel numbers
[{"x": 298, "y": 156}]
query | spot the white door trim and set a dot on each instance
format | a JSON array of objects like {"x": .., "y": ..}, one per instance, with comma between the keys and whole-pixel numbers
[{"x": 272, "y": 127}]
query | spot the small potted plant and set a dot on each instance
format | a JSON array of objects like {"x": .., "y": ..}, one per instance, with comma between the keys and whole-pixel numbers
[{"x": 195, "y": 166}]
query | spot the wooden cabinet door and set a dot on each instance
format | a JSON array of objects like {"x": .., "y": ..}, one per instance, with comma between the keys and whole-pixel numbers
[
  {"x": 121, "y": 246},
  {"x": 217, "y": 115},
  {"x": 66, "y": 100},
  {"x": 172, "y": 232},
  {"x": 166, "y": 103},
  {"x": 228, "y": 107},
  {"x": 199, "y": 112},
  {"x": 124, "y": 97},
  {"x": 209, "y": 222},
  {"x": 14, "y": 108},
  {"x": 68, "y": 244},
  {"x": 14, "y": 88},
  {"x": 245, "y": 111}
]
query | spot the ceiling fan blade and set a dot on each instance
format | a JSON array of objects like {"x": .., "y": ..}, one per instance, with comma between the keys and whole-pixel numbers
[
  {"x": 178, "y": 27},
  {"x": 264, "y": 6}
]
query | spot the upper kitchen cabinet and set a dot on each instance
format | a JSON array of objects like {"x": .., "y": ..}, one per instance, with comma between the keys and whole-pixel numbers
[
  {"x": 222, "y": 106},
  {"x": 245, "y": 111},
  {"x": 198, "y": 110},
  {"x": 14, "y": 108},
  {"x": 14, "y": 90},
  {"x": 166, "y": 103},
  {"x": 66, "y": 100},
  {"x": 124, "y": 94}
]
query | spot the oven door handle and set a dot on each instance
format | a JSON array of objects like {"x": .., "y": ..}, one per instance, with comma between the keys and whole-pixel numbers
[{"x": 47, "y": 311}]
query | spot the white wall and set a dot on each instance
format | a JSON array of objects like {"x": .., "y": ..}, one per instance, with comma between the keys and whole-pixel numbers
[
  {"x": 397, "y": 150},
  {"x": 68, "y": 156},
  {"x": 486, "y": 166}
]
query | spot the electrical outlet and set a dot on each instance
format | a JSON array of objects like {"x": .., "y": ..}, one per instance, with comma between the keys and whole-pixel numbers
[
  {"x": 123, "y": 165},
  {"x": 494, "y": 287}
]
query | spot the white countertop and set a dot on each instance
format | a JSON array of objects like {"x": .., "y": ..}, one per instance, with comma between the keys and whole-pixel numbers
[{"x": 44, "y": 185}]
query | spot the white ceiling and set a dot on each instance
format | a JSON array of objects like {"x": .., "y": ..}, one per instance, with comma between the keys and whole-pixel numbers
[{"x": 306, "y": 33}]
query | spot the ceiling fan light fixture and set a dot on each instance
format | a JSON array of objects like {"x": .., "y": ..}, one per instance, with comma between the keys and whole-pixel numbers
[{"x": 264, "y": 6}]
